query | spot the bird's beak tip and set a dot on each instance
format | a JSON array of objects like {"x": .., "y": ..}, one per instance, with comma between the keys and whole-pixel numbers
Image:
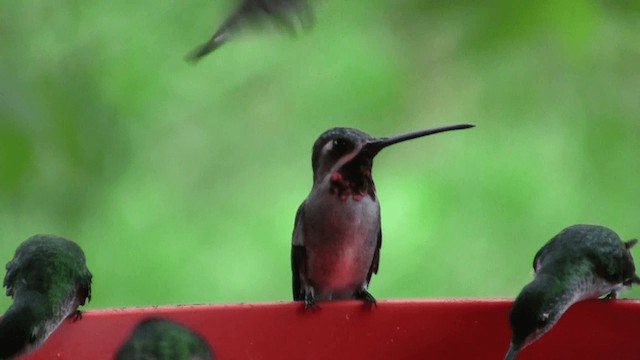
[{"x": 511, "y": 353}]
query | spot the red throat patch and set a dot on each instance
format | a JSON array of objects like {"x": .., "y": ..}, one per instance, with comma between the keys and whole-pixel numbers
[{"x": 344, "y": 188}]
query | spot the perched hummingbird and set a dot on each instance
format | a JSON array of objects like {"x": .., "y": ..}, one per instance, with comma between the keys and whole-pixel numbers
[
  {"x": 581, "y": 262},
  {"x": 252, "y": 11},
  {"x": 163, "y": 339},
  {"x": 48, "y": 279},
  {"x": 336, "y": 238}
]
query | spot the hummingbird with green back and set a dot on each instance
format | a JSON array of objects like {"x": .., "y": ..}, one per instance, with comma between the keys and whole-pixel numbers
[
  {"x": 48, "y": 279},
  {"x": 163, "y": 339},
  {"x": 581, "y": 262},
  {"x": 281, "y": 12},
  {"x": 336, "y": 240}
]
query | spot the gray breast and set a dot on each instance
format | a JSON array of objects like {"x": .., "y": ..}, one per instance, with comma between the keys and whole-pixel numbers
[{"x": 340, "y": 238}]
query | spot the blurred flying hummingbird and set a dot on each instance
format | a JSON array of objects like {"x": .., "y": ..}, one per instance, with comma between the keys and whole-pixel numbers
[
  {"x": 163, "y": 339},
  {"x": 336, "y": 238},
  {"x": 247, "y": 12},
  {"x": 581, "y": 262},
  {"x": 48, "y": 279}
]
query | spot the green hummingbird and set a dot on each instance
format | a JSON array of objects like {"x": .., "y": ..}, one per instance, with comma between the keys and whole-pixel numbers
[
  {"x": 163, "y": 339},
  {"x": 281, "y": 12},
  {"x": 581, "y": 262},
  {"x": 48, "y": 279}
]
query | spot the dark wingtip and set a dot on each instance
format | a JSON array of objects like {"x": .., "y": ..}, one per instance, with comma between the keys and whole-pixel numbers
[
  {"x": 193, "y": 57},
  {"x": 629, "y": 244},
  {"x": 198, "y": 53},
  {"x": 210, "y": 46}
]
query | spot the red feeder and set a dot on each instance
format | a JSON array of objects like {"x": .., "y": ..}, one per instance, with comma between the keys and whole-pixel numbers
[{"x": 394, "y": 329}]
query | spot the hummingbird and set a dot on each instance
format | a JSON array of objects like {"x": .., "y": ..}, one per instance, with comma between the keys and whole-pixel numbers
[
  {"x": 336, "y": 240},
  {"x": 281, "y": 12},
  {"x": 163, "y": 339},
  {"x": 581, "y": 262},
  {"x": 48, "y": 279}
]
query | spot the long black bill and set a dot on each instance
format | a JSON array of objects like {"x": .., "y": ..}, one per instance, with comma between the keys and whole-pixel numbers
[
  {"x": 511, "y": 353},
  {"x": 374, "y": 146}
]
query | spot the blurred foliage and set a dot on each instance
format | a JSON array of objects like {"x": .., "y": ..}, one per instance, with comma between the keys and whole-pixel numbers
[{"x": 181, "y": 182}]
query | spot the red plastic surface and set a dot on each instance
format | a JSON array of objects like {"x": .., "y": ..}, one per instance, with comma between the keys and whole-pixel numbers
[{"x": 395, "y": 329}]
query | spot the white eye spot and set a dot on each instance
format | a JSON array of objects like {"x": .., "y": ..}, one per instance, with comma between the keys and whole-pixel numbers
[
  {"x": 543, "y": 319},
  {"x": 327, "y": 147},
  {"x": 340, "y": 146}
]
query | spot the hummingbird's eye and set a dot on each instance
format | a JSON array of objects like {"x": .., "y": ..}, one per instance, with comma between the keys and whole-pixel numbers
[
  {"x": 543, "y": 320},
  {"x": 339, "y": 146},
  {"x": 32, "y": 337}
]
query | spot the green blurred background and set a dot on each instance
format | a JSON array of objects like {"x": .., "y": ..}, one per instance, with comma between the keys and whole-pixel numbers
[{"x": 181, "y": 182}]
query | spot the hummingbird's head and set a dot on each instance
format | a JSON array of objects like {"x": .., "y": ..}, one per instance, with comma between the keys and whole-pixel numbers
[
  {"x": 534, "y": 312},
  {"x": 161, "y": 338},
  {"x": 342, "y": 146},
  {"x": 335, "y": 148}
]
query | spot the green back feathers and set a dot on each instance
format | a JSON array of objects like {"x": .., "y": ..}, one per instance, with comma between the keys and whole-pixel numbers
[
  {"x": 592, "y": 248},
  {"x": 50, "y": 265},
  {"x": 163, "y": 339}
]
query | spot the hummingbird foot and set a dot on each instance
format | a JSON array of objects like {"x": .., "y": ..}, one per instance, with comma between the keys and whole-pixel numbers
[
  {"x": 612, "y": 295},
  {"x": 365, "y": 296},
  {"x": 77, "y": 315},
  {"x": 310, "y": 301}
]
